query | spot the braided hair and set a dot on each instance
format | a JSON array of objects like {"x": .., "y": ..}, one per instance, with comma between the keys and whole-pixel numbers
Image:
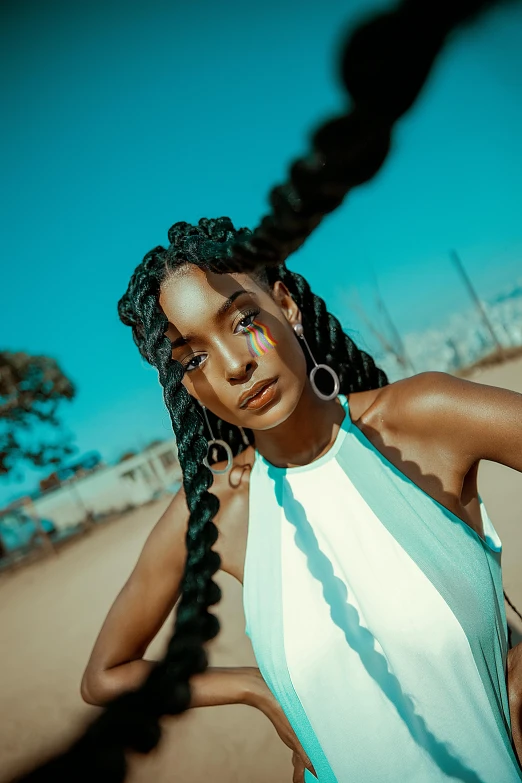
[{"x": 384, "y": 65}]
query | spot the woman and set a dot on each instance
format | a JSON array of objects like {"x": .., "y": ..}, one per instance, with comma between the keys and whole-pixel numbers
[
  {"x": 349, "y": 506},
  {"x": 373, "y": 590}
]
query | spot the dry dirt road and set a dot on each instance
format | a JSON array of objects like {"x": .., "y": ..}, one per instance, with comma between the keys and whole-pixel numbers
[{"x": 51, "y": 611}]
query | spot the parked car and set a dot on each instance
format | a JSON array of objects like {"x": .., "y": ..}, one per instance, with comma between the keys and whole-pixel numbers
[{"x": 18, "y": 530}]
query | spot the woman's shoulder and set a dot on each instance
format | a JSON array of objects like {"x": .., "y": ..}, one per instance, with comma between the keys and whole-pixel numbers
[
  {"x": 237, "y": 478},
  {"x": 383, "y": 408}
]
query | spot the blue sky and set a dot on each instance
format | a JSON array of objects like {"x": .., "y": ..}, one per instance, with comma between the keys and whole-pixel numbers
[{"x": 123, "y": 118}]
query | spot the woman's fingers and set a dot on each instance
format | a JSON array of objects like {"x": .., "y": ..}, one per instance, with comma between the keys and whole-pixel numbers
[
  {"x": 299, "y": 768},
  {"x": 306, "y": 761},
  {"x": 273, "y": 710},
  {"x": 301, "y": 762}
]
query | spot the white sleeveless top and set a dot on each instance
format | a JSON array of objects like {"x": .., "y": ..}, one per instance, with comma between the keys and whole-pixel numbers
[{"x": 377, "y": 619}]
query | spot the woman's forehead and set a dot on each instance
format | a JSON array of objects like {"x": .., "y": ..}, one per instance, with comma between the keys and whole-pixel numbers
[{"x": 191, "y": 293}]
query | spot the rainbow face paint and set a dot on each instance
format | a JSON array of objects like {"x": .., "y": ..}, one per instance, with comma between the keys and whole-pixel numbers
[{"x": 259, "y": 338}]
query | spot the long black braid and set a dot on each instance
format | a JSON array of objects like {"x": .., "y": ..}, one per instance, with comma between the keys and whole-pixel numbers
[{"x": 385, "y": 63}]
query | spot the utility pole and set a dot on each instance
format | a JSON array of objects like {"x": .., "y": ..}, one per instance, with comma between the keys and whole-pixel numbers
[
  {"x": 482, "y": 313},
  {"x": 395, "y": 332},
  {"x": 31, "y": 511},
  {"x": 88, "y": 519},
  {"x": 388, "y": 347}
]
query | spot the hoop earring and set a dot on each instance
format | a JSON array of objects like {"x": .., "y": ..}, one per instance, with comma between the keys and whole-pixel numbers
[
  {"x": 216, "y": 442},
  {"x": 298, "y": 329}
]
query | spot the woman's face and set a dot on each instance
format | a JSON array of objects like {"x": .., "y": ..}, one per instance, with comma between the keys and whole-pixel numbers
[{"x": 227, "y": 349}]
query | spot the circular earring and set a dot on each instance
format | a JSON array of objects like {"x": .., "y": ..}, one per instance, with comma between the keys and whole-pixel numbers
[
  {"x": 216, "y": 442},
  {"x": 298, "y": 329}
]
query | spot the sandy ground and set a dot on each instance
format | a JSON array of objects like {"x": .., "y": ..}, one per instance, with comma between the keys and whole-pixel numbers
[{"x": 51, "y": 611}]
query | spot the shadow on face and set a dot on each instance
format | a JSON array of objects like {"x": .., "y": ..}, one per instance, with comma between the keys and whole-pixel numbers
[{"x": 228, "y": 333}]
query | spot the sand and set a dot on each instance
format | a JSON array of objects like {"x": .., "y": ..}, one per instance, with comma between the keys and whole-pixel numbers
[{"x": 51, "y": 612}]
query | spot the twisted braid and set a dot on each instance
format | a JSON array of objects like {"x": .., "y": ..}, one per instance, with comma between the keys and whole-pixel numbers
[{"x": 384, "y": 66}]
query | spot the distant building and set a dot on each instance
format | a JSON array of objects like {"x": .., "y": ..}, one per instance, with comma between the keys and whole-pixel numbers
[{"x": 112, "y": 488}]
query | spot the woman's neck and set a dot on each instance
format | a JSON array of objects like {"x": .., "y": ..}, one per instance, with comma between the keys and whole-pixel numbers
[{"x": 305, "y": 435}]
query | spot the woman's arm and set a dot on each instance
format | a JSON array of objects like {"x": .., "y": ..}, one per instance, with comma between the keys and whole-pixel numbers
[
  {"x": 116, "y": 663},
  {"x": 217, "y": 685},
  {"x": 140, "y": 609}
]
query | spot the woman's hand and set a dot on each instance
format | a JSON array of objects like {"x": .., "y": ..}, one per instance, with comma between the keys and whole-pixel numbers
[
  {"x": 264, "y": 700},
  {"x": 514, "y": 686}
]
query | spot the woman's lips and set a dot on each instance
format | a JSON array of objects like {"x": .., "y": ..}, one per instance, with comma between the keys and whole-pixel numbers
[{"x": 263, "y": 397}]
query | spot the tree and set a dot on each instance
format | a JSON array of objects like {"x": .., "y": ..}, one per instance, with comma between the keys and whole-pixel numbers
[{"x": 31, "y": 389}]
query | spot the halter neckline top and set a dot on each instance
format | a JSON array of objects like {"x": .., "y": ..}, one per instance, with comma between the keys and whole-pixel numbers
[
  {"x": 491, "y": 538},
  {"x": 377, "y": 620}
]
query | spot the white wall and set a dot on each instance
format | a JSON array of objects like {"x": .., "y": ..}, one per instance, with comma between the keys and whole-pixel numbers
[{"x": 111, "y": 488}]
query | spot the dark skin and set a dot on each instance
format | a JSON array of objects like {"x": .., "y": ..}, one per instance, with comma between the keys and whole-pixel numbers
[
  {"x": 462, "y": 422},
  {"x": 433, "y": 427},
  {"x": 221, "y": 366}
]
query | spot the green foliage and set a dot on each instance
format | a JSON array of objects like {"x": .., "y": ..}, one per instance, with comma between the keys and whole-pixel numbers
[{"x": 31, "y": 389}]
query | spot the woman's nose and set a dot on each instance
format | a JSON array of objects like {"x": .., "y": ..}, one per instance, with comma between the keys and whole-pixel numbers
[{"x": 240, "y": 370}]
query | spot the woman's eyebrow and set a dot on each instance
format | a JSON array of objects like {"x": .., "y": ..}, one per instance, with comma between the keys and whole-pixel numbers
[{"x": 221, "y": 311}]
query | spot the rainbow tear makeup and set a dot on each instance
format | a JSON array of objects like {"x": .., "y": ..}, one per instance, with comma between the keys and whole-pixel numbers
[{"x": 259, "y": 338}]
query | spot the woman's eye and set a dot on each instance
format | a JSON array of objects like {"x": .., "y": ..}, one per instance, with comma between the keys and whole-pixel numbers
[
  {"x": 252, "y": 315},
  {"x": 188, "y": 368}
]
